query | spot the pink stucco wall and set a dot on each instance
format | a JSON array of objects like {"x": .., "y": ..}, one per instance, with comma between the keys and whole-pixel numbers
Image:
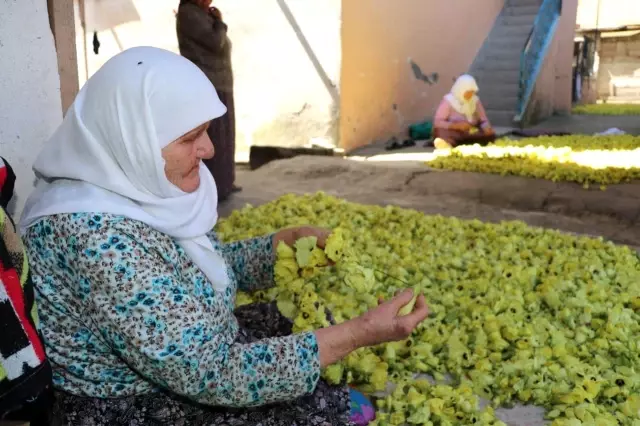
[{"x": 380, "y": 96}]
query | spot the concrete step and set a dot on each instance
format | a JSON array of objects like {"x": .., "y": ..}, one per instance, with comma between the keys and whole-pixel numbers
[
  {"x": 501, "y": 55},
  {"x": 516, "y": 32},
  {"x": 511, "y": 41},
  {"x": 500, "y": 103},
  {"x": 497, "y": 76},
  {"x": 521, "y": 10},
  {"x": 502, "y": 43},
  {"x": 490, "y": 64},
  {"x": 517, "y": 20},
  {"x": 501, "y": 118},
  {"x": 493, "y": 89},
  {"x": 523, "y": 3},
  {"x": 507, "y": 47}
]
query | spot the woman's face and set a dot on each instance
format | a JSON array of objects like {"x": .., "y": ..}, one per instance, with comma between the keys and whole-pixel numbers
[
  {"x": 182, "y": 158},
  {"x": 468, "y": 95}
]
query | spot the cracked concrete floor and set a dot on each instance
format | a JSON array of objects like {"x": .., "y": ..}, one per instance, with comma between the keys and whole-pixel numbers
[{"x": 613, "y": 214}]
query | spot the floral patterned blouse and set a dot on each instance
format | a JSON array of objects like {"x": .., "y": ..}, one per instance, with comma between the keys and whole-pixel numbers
[{"x": 124, "y": 311}]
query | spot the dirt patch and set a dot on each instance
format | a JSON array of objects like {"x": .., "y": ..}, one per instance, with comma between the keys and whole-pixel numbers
[{"x": 613, "y": 214}]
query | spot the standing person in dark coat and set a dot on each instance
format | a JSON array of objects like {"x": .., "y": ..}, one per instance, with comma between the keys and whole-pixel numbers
[{"x": 203, "y": 39}]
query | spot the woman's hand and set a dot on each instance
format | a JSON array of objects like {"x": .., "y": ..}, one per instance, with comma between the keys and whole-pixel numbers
[
  {"x": 290, "y": 235},
  {"x": 380, "y": 325},
  {"x": 215, "y": 12},
  {"x": 461, "y": 126}
]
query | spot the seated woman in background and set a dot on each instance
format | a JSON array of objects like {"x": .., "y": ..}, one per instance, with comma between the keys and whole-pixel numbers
[
  {"x": 461, "y": 119},
  {"x": 137, "y": 294}
]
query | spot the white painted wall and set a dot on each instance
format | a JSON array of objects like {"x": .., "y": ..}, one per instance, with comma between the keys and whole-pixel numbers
[
  {"x": 604, "y": 14},
  {"x": 280, "y": 98},
  {"x": 30, "y": 106}
]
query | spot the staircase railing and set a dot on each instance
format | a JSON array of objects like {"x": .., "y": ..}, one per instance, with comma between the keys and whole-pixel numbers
[{"x": 535, "y": 50}]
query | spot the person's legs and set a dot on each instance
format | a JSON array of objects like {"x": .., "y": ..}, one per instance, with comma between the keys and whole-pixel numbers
[
  {"x": 222, "y": 134},
  {"x": 453, "y": 138},
  {"x": 328, "y": 405},
  {"x": 231, "y": 112},
  {"x": 447, "y": 138},
  {"x": 480, "y": 138}
]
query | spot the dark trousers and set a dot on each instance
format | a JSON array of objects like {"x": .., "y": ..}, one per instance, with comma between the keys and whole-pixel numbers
[{"x": 457, "y": 137}]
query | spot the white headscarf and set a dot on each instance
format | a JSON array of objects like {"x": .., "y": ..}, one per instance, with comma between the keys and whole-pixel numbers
[
  {"x": 456, "y": 99},
  {"x": 106, "y": 155}
]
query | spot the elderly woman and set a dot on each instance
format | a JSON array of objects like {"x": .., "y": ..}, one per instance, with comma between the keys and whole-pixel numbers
[
  {"x": 137, "y": 294},
  {"x": 461, "y": 119},
  {"x": 203, "y": 39}
]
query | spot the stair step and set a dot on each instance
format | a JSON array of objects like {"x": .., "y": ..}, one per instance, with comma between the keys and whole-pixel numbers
[
  {"x": 498, "y": 76},
  {"x": 502, "y": 103},
  {"x": 492, "y": 65},
  {"x": 521, "y": 10},
  {"x": 507, "y": 38},
  {"x": 500, "y": 55},
  {"x": 523, "y": 3},
  {"x": 497, "y": 90},
  {"x": 510, "y": 46},
  {"x": 519, "y": 32},
  {"x": 517, "y": 20},
  {"x": 501, "y": 118},
  {"x": 501, "y": 43}
]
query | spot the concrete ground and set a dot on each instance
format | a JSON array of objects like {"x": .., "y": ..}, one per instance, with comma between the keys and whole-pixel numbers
[
  {"x": 590, "y": 124},
  {"x": 577, "y": 124},
  {"x": 613, "y": 214}
]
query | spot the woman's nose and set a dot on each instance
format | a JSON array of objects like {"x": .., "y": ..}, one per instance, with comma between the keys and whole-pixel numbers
[{"x": 205, "y": 147}]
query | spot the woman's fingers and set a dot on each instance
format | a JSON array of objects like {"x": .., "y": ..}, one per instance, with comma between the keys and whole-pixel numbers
[
  {"x": 420, "y": 310},
  {"x": 310, "y": 231},
  {"x": 408, "y": 323},
  {"x": 401, "y": 299},
  {"x": 322, "y": 235}
]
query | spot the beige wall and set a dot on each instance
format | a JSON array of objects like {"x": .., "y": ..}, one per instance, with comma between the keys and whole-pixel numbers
[
  {"x": 619, "y": 65},
  {"x": 552, "y": 93},
  {"x": 380, "y": 95},
  {"x": 607, "y": 13}
]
